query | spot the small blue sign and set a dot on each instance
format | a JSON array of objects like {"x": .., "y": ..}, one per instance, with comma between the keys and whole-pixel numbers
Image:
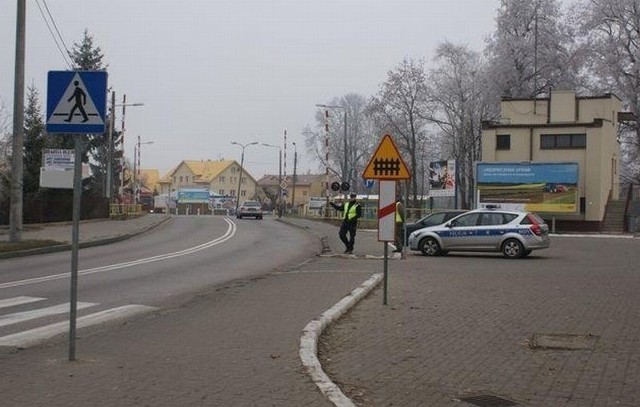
[
  {"x": 369, "y": 183},
  {"x": 76, "y": 101}
]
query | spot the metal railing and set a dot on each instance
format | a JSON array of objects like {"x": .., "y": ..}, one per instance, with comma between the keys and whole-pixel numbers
[{"x": 121, "y": 211}]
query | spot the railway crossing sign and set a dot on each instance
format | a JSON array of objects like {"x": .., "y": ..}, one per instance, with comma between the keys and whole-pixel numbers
[
  {"x": 386, "y": 162},
  {"x": 76, "y": 101}
]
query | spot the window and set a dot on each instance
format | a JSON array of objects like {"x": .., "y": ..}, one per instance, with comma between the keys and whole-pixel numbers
[
  {"x": 233, "y": 170},
  {"x": 467, "y": 220},
  {"x": 221, "y": 179},
  {"x": 492, "y": 219},
  {"x": 186, "y": 179},
  {"x": 305, "y": 193},
  {"x": 181, "y": 179},
  {"x": 503, "y": 142},
  {"x": 232, "y": 192},
  {"x": 221, "y": 191},
  {"x": 562, "y": 141},
  {"x": 243, "y": 193}
]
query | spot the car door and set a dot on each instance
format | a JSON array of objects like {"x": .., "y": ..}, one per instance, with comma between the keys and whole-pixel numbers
[
  {"x": 493, "y": 226},
  {"x": 461, "y": 232}
]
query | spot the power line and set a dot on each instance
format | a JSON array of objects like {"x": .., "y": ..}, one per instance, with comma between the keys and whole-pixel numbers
[
  {"x": 55, "y": 40},
  {"x": 56, "y": 27}
]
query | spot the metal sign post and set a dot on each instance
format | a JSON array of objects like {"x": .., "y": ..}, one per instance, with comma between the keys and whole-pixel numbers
[
  {"x": 76, "y": 103},
  {"x": 387, "y": 166}
]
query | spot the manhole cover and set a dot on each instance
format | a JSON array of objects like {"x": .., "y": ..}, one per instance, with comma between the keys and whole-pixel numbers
[
  {"x": 487, "y": 400},
  {"x": 564, "y": 341}
]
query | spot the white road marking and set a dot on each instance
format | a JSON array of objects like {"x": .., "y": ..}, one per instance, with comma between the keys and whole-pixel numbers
[
  {"x": 37, "y": 335},
  {"x": 231, "y": 231},
  {"x": 23, "y": 316},
  {"x": 12, "y": 302}
]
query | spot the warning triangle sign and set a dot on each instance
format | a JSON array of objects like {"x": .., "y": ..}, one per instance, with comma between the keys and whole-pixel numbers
[
  {"x": 386, "y": 162},
  {"x": 76, "y": 106}
]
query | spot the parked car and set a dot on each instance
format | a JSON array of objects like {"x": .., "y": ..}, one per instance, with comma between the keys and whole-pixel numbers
[
  {"x": 252, "y": 209},
  {"x": 514, "y": 233}
]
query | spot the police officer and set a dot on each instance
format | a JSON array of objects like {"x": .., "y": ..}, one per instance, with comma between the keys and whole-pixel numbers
[
  {"x": 399, "y": 230},
  {"x": 351, "y": 212}
]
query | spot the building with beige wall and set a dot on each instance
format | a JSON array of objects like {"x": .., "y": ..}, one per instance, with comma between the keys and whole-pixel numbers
[
  {"x": 563, "y": 128},
  {"x": 219, "y": 176}
]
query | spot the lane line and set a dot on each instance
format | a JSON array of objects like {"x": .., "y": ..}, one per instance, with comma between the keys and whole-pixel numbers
[
  {"x": 34, "y": 336},
  {"x": 12, "y": 302},
  {"x": 18, "y": 317},
  {"x": 231, "y": 231}
]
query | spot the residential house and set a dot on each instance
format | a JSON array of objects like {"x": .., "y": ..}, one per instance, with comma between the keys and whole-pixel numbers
[{"x": 221, "y": 177}]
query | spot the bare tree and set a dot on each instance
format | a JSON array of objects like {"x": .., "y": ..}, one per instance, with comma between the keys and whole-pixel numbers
[
  {"x": 350, "y": 146},
  {"x": 458, "y": 106},
  {"x": 401, "y": 105},
  {"x": 610, "y": 30}
]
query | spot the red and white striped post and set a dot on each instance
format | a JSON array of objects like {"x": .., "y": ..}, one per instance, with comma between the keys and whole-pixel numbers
[{"x": 326, "y": 159}]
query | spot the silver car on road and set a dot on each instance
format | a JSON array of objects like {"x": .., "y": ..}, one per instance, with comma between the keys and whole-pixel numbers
[{"x": 513, "y": 233}]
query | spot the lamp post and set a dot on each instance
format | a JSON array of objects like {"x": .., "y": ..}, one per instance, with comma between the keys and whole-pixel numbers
[
  {"x": 243, "y": 146},
  {"x": 136, "y": 176},
  {"x": 279, "y": 203},
  {"x": 345, "y": 176},
  {"x": 112, "y": 118}
]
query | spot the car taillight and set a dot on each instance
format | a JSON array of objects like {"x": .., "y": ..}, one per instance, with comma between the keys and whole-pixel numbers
[{"x": 535, "y": 226}]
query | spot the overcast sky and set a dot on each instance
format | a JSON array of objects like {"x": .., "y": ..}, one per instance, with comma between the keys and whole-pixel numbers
[{"x": 212, "y": 71}]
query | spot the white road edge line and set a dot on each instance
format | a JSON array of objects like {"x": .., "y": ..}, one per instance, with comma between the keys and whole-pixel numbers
[
  {"x": 311, "y": 333},
  {"x": 231, "y": 231},
  {"x": 34, "y": 336}
]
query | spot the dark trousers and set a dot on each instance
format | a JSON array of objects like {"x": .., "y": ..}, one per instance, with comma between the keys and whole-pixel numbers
[{"x": 350, "y": 228}]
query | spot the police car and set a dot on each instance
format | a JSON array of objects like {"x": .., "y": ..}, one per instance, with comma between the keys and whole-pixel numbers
[{"x": 513, "y": 233}]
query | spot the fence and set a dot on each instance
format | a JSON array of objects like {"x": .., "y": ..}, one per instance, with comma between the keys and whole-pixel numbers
[{"x": 122, "y": 211}]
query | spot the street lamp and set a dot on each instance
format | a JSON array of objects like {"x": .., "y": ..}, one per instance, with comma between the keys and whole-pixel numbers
[
  {"x": 243, "y": 146},
  {"x": 112, "y": 119},
  {"x": 345, "y": 177},
  {"x": 136, "y": 176},
  {"x": 279, "y": 204}
]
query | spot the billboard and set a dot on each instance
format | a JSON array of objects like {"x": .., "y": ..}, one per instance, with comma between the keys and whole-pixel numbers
[
  {"x": 442, "y": 178},
  {"x": 537, "y": 187},
  {"x": 193, "y": 196}
]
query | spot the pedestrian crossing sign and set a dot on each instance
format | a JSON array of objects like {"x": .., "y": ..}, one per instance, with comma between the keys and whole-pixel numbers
[
  {"x": 386, "y": 162},
  {"x": 76, "y": 101}
]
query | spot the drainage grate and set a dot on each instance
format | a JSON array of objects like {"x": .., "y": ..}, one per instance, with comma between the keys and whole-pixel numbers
[{"x": 486, "y": 400}]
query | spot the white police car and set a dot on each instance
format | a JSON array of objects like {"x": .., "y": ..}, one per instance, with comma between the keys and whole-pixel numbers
[{"x": 513, "y": 233}]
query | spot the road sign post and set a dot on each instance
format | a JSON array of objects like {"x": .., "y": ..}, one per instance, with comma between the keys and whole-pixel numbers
[
  {"x": 387, "y": 166},
  {"x": 76, "y": 103}
]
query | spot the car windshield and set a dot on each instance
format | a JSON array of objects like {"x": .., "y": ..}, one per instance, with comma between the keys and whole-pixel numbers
[{"x": 251, "y": 203}]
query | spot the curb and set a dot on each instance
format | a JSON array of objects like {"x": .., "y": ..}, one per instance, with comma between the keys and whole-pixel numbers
[
  {"x": 81, "y": 245},
  {"x": 313, "y": 330}
]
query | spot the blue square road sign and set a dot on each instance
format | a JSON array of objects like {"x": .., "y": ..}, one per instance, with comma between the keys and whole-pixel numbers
[{"x": 76, "y": 101}]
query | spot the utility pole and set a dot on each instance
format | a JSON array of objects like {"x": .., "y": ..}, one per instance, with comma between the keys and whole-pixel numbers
[
  {"x": 110, "y": 147},
  {"x": 16, "y": 207}
]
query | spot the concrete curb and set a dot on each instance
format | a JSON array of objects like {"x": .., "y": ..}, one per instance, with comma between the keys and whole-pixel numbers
[
  {"x": 81, "y": 245},
  {"x": 313, "y": 330}
]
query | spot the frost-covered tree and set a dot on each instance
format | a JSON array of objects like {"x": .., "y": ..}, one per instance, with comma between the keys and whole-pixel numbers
[
  {"x": 401, "y": 104},
  {"x": 348, "y": 150},
  {"x": 458, "y": 105},
  {"x": 532, "y": 50},
  {"x": 610, "y": 30}
]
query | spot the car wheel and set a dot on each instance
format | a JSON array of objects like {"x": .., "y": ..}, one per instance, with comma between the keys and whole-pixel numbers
[
  {"x": 259, "y": 217},
  {"x": 513, "y": 249},
  {"x": 429, "y": 247},
  {"x": 239, "y": 217}
]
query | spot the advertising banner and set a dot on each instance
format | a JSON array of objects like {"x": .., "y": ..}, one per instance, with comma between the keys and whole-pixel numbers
[
  {"x": 442, "y": 178},
  {"x": 194, "y": 196},
  {"x": 536, "y": 187}
]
